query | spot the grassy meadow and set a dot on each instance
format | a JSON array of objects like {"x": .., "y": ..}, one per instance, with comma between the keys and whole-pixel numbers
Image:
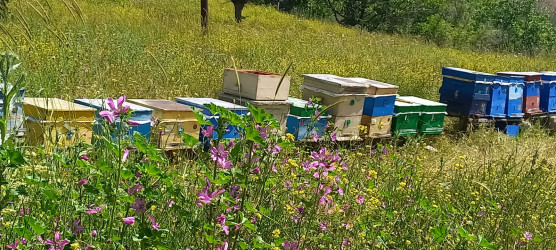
[{"x": 455, "y": 191}]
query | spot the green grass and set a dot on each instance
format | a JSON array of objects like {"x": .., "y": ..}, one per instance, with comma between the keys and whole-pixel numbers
[{"x": 158, "y": 49}]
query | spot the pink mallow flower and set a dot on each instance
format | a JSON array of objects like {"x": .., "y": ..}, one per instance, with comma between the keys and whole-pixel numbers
[
  {"x": 220, "y": 155},
  {"x": 208, "y": 131},
  {"x": 205, "y": 196},
  {"x": 129, "y": 220},
  {"x": 115, "y": 109},
  {"x": 82, "y": 182},
  {"x": 154, "y": 224}
]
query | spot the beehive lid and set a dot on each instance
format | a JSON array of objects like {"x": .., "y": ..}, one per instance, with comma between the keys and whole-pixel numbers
[
  {"x": 426, "y": 105},
  {"x": 529, "y": 76},
  {"x": 376, "y": 87},
  {"x": 199, "y": 102},
  {"x": 140, "y": 113},
  {"x": 402, "y": 106},
  {"x": 335, "y": 84},
  {"x": 329, "y": 93},
  {"x": 242, "y": 100},
  {"x": 299, "y": 108},
  {"x": 54, "y": 109},
  {"x": 166, "y": 109},
  {"x": 254, "y": 72},
  {"x": 467, "y": 75},
  {"x": 509, "y": 80},
  {"x": 549, "y": 76}
]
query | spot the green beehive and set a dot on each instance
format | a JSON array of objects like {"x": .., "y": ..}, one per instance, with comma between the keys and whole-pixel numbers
[
  {"x": 405, "y": 121},
  {"x": 432, "y": 115},
  {"x": 299, "y": 108}
]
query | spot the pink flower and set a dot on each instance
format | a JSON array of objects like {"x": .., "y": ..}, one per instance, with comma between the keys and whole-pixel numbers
[
  {"x": 82, "y": 182},
  {"x": 208, "y": 131},
  {"x": 154, "y": 224},
  {"x": 220, "y": 156},
  {"x": 126, "y": 154},
  {"x": 333, "y": 136},
  {"x": 95, "y": 233},
  {"x": 115, "y": 110},
  {"x": 85, "y": 69},
  {"x": 84, "y": 157},
  {"x": 108, "y": 115},
  {"x": 129, "y": 220},
  {"x": 528, "y": 236},
  {"x": 262, "y": 131},
  {"x": 222, "y": 221},
  {"x": 256, "y": 170},
  {"x": 340, "y": 191},
  {"x": 315, "y": 136},
  {"x": 94, "y": 210},
  {"x": 360, "y": 199},
  {"x": 205, "y": 196},
  {"x": 290, "y": 245},
  {"x": 170, "y": 203},
  {"x": 222, "y": 247},
  {"x": 57, "y": 244},
  {"x": 276, "y": 149},
  {"x": 133, "y": 123},
  {"x": 14, "y": 245},
  {"x": 139, "y": 205}
]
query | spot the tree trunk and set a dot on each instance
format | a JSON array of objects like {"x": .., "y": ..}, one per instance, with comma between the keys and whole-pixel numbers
[
  {"x": 204, "y": 13},
  {"x": 238, "y": 6}
]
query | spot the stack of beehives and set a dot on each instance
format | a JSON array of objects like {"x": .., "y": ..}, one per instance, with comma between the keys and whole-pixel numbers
[{"x": 260, "y": 89}]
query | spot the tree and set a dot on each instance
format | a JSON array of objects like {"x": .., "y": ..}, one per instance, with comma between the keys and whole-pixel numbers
[{"x": 238, "y": 8}]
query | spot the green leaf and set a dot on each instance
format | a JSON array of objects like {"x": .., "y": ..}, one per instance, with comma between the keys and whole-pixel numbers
[
  {"x": 126, "y": 173},
  {"x": 250, "y": 225},
  {"x": 484, "y": 243},
  {"x": 250, "y": 207},
  {"x": 264, "y": 211},
  {"x": 466, "y": 235},
  {"x": 37, "y": 225},
  {"x": 439, "y": 234},
  {"x": 152, "y": 170},
  {"x": 253, "y": 135},
  {"x": 16, "y": 158},
  {"x": 189, "y": 140},
  {"x": 200, "y": 117},
  {"x": 243, "y": 245}
]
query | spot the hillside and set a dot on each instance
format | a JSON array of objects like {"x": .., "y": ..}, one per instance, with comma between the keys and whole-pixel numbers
[{"x": 157, "y": 49}]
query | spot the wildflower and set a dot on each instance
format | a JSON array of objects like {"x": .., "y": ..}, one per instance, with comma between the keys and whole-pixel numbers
[
  {"x": 256, "y": 170},
  {"x": 481, "y": 213},
  {"x": 84, "y": 157},
  {"x": 82, "y": 182},
  {"x": 57, "y": 244},
  {"x": 222, "y": 247},
  {"x": 23, "y": 241},
  {"x": 135, "y": 189},
  {"x": 14, "y": 245},
  {"x": 207, "y": 131},
  {"x": 340, "y": 191},
  {"x": 154, "y": 224},
  {"x": 139, "y": 205},
  {"x": 290, "y": 245},
  {"x": 274, "y": 169},
  {"x": 154, "y": 121},
  {"x": 206, "y": 197},
  {"x": 384, "y": 150},
  {"x": 170, "y": 203},
  {"x": 528, "y": 236},
  {"x": 125, "y": 155},
  {"x": 276, "y": 233},
  {"x": 288, "y": 184},
  {"x": 108, "y": 115},
  {"x": 222, "y": 220},
  {"x": 75, "y": 246},
  {"x": 310, "y": 102},
  {"x": 262, "y": 131},
  {"x": 276, "y": 149},
  {"x": 129, "y": 220},
  {"x": 360, "y": 199},
  {"x": 95, "y": 233},
  {"x": 315, "y": 136},
  {"x": 220, "y": 156},
  {"x": 115, "y": 110},
  {"x": 324, "y": 225},
  {"x": 77, "y": 227},
  {"x": 333, "y": 136},
  {"x": 85, "y": 69}
]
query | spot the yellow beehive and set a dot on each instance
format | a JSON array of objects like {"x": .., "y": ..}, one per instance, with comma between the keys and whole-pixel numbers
[
  {"x": 377, "y": 126},
  {"x": 174, "y": 120},
  {"x": 54, "y": 122}
]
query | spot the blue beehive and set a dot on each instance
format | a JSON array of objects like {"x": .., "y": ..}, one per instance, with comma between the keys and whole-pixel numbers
[
  {"x": 231, "y": 131},
  {"x": 509, "y": 129},
  {"x": 379, "y": 105},
  {"x": 302, "y": 127},
  {"x": 141, "y": 115},
  {"x": 548, "y": 92},
  {"x": 514, "y": 104},
  {"x": 498, "y": 98},
  {"x": 466, "y": 92}
]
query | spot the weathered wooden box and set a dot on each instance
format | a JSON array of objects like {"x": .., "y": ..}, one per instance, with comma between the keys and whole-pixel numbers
[
  {"x": 54, "y": 122},
  {"x": 278, "y": 109},
  {"x": 140, "y": 114},
  {"x": 376, "y": 87},
  {"x": 304, "y": 127},
  {"x": 377, "y": 127},
  {"x": 548, "y": 92},
  {"x": 347, "y": 126},
  {"x": 379, "y": 105},
  {"x": 256, "y": 85},
  {"x": 334, "y": 84},
  {"x": 174, "y": 120},
  {"x": 231, "y": 131},
  {"x": 340, "y": 104}
]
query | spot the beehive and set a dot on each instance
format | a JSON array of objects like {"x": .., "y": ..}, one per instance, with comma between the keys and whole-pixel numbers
[
  {"x": 514, "y": 101},
  {"x": 379, "y": 105},
  {"x": 256, "y": 85},
  {"x": 334, "y": 84},
  {"x": 347, "y": 126},
  {"x": 231, "y": 131},
  {"x": 54, "y": 122},
  {"x": 303, "y": 127},
  {"x": 174, "y": 120},
  {"x": 16, "y": 118},
  {"x": 376, "y": 87},
  {"x": 548, "y": 92},
  {"x": 140, "y": 114},
  {"x": 405, "y": 121},
  {"x": 340, "y": 104},
  {"x": 531, "y": 92},
  {"x": 377, "y": 127},
  {"x": 466, "y": 92},
  {"x": 278, "y": 109},
  {"x": 431, "y": 119}
]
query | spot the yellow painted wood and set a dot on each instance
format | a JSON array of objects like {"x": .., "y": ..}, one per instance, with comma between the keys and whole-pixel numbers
[
  {"x": 53, "y": 134},
  {"x": 377, "y": 126},
  {"x": 166, "y": 110},
  {"x": 53, "y": 109},
  {"x": 168, "y": 134}
]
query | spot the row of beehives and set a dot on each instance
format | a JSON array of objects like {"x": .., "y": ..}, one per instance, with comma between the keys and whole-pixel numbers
[
  {"x": 507, "y": 95},
  {"x": 353, "y": 102}
]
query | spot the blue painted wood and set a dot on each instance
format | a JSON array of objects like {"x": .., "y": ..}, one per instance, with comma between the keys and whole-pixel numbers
[
  {"x": 464, "y": 98},
  {"x": 379, "y": 105},
  {"x": 140, "y": 114},
  {"x": 498, "y": 98},
  {"x": 507, "y": 128},
  {"x": 302, "y": 127},
  {"x": 548, "y": 92}
]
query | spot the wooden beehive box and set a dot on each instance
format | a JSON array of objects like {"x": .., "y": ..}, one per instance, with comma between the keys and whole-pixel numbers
[
  {"x": 140, "y": 114},
  {"x": 378, "y": 126},
  {"x": 431, "y": 119},
  {"x": 548, "y": 92},
  {"x": 340, "y": 104},
  {"x": 174, "y": 120},
  {"x": 348, "y": 126},
  {"x": 304, "y": 127},
  {"x": 54, "y": 122},
  {"x": 376, "y": 87},
  {"x": 334, "y": 84},
  {"x": 256, "y": 85}
]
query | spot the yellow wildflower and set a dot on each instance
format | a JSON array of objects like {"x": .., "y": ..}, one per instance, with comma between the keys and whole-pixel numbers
[{"x": 276, "y": 233}]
